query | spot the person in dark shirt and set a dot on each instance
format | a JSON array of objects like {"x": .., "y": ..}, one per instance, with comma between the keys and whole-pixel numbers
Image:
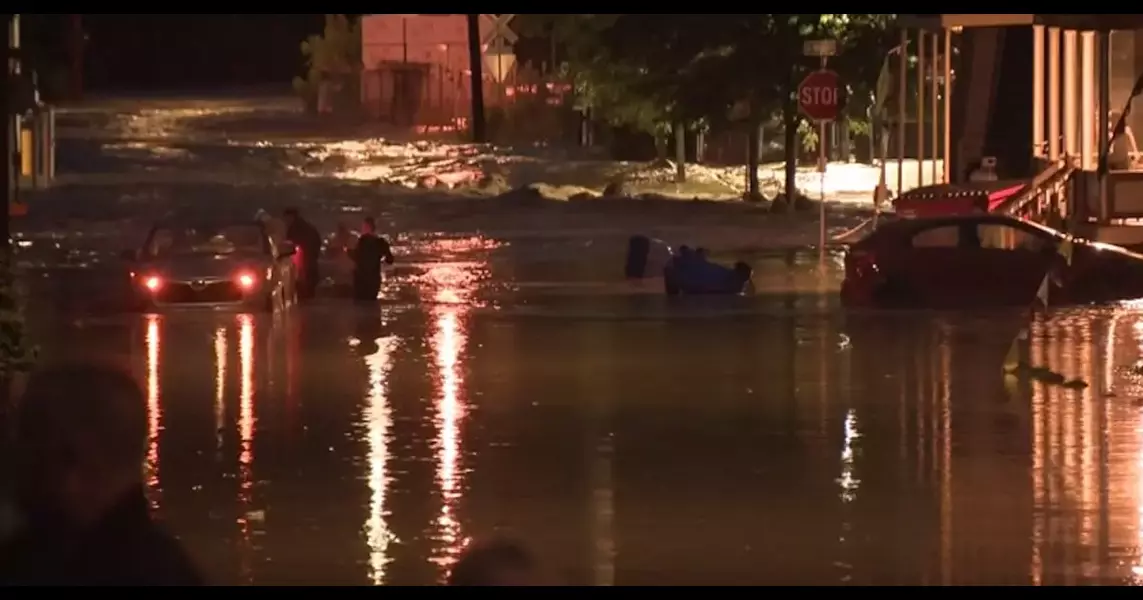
[
  {"x": 307, "y": 241},
  {"x": 80, "y": 444},
  {"x": 372, "y": 250}
]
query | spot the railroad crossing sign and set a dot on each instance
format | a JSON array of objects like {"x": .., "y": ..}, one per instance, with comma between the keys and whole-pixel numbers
[
  {"x": 819, "y": 95},
  {"x": 498, "y": 30}
]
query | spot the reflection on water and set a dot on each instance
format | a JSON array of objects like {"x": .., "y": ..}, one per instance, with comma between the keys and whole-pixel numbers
[
  {"x": 379, "y": 419},
  {"x": 770, "y": 445},
  {"x": 154, "y": 345},
  {"x": 449, "y": 341},
  {"x": 247, "y": 420},
  {"x": 220, "y": 362},
  {"x": 451, "y": 287}
]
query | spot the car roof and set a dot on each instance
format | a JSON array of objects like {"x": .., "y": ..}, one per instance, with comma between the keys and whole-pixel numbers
[
  {"x": 903, "y": 227},
  {"x": 907, "y": 226}
]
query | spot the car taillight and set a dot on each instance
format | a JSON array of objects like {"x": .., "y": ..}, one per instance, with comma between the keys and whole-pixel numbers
[
  {"x": 245, "y": 280},
  {"x": 153, "y": 283}
]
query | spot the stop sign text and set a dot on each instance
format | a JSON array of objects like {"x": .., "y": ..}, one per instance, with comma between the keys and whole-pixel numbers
[{"x": 819, "y": 95}]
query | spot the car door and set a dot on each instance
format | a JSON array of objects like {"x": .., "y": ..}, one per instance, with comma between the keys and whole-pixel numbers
[
  {"x": 936, "y": 268},
  {"x": 1015, "y": 258}
]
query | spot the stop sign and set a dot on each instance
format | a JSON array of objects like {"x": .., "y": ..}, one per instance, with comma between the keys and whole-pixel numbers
[{"x": 819, "y": 95}]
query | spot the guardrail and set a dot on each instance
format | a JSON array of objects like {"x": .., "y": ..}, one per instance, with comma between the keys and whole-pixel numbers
[{"x": 1046, "y": 197}]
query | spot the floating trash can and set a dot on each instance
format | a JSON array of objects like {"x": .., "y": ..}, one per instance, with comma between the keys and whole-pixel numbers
[{"x": 638, "y": 253}]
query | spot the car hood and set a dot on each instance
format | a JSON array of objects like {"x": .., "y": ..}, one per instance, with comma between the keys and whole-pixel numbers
[{"x": 208, "y": 266}]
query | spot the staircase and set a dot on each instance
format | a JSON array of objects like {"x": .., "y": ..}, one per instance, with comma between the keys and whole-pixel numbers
[{"x": 1045, "y": 200}]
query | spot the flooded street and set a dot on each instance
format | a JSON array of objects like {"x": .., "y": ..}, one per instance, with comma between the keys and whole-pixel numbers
[
  {"x": 635, "y": 441},
  {"x": 511, "y": 382}
]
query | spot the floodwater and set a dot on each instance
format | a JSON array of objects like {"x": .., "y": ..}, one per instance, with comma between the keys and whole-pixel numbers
[
  {"x": 509, "y": 382},
  {"x": 631, "y": 440}
]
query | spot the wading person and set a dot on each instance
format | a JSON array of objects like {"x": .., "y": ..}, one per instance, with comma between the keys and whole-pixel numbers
[
  {"x": 371, "y": 253},
  {"x": 307, "y": 242},
  {"x": 80, "y": 443}
]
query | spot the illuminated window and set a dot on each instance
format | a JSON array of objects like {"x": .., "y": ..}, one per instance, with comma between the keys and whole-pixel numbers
[{"x": 998, "y": 236}]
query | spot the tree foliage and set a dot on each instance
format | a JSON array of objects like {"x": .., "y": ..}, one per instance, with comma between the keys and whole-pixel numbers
[
  {"x": 645, "y": 71},
  {"x": 335, "y": 55}
]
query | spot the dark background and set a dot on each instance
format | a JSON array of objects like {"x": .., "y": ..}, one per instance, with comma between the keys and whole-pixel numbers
[
  {"x": 168, "y": 51},
  {"x": 177, "y": 52}
]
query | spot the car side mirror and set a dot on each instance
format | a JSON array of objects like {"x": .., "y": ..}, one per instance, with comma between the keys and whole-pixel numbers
[
  {"x": 129, "y": 255},
  {"x": 287, "y": 249}
]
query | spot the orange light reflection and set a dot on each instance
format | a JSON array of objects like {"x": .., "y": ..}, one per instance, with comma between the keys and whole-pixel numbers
[
  {"x": 452, "y": 285},
  {"x": 379, "y": 418},
  {"x": 220, "y": 359},
  {"x": 448, "y": 341},
  {"x": 154, "y": 343},
  {"x": 1039, "y": 462},
  {"x": 246, "y": 432}
]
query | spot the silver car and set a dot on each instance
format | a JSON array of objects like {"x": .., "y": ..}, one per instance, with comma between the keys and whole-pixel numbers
[{"x": 213, "y": 265}]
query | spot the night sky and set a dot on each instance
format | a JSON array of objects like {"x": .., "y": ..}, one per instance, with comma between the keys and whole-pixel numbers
[{"x": 171, "y": 51}]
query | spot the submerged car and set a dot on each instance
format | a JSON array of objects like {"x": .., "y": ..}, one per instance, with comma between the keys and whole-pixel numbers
[
  {"x": 983, "y": 261},
  {"x": 230, "y": 264}
]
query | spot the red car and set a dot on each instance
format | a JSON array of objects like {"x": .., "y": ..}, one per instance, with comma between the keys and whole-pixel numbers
[{"x": 982, "y": 260}]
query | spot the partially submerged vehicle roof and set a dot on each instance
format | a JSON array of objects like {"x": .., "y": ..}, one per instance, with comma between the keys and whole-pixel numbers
[
  {"x": 906, "y": 226},
  {"x": 900, "y": 227}
]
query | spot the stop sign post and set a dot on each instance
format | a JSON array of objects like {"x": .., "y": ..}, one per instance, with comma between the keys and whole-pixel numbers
[{"x": 819, "y": 98}]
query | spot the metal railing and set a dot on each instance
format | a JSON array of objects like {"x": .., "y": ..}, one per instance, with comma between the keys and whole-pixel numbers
[{"x": 1046, "y": 197}]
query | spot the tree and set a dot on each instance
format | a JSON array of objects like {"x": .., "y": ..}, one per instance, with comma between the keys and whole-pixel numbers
[
  {"x": 765, "y": 51},
  {"x": 334, "y": 57},
  {"x": 664, "y": 71}
]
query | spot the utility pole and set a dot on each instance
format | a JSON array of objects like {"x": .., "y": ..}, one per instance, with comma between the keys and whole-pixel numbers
[{"x": 476, "y": 66}]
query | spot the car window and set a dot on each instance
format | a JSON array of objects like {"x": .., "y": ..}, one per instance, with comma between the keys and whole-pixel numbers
[
  {"x": 943, "y": 236},
  {"x": 1002, "y": 236},
  {"x": 227, "y": 239}
]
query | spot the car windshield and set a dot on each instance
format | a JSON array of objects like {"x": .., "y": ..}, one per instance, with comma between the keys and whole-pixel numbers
[{"x": 225, "y": 239}]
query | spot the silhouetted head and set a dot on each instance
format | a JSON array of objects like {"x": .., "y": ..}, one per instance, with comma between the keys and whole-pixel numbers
[
  {"x": 291, "y": 215},
  {"x": 701, "y": 254},
  {"x": 742, "y": 272},
  {"x": 686, "y": 251},
  {"x": 495, "y": 563},
  {"x": 368, "y": 225},
  {"x": 81, "y": 440}
]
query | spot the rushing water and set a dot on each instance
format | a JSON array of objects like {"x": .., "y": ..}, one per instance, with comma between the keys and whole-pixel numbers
[{"x": 631, "y": 440}]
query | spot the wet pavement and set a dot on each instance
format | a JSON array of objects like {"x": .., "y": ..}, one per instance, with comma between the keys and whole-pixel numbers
[{"x": 516, "y": 384}]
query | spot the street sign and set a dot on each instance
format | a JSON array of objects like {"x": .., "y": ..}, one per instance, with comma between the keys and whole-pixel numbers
[
  {"x": 498, "y": 29},
  {"x": 819, "y": 95},
  {"x": 820, "y": 48}
]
